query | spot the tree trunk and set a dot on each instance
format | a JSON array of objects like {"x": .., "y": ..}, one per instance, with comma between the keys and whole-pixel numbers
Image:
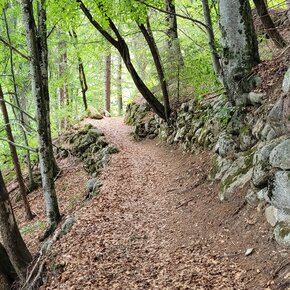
[
  {"x": 107, "y": 81},
  {"x": 147, "y": 33},
  {"x": 62, "y": 89},
  {"x": 211, "y": 40},
  {"x": 82, "y": 75},
  {"x": 119, "y": 88},
  {"x": 43, "y": 61},
  {"x": 240, "y": 48},
  {"x": 12, "y": 240},
  {"x": 123, "y": 49},
  {"x": 269, "y": 24},
  {"x": 172, "y": 33},
  {"x": 43, "y": 124},
  {"x": 14, "y": 155},
  {"x": 6, "y": 268},
  {"x": 19, "y": 115}
]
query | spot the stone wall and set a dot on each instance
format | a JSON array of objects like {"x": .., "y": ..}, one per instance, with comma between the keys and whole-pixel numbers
[{"x": 251, "y": 146}]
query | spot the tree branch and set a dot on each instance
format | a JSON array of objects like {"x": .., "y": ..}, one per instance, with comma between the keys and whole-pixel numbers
[
  {"x": 16, "y": 107},
  {"x": 13, "y": 48},
  {"x": 96, "y": 24},
  {"x": 18, "y": 145},
  {"x": 170, "y": 13}
]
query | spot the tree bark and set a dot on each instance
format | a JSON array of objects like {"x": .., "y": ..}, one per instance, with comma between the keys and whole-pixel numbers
[
  {"x": 268, "y": 24},
  {"x": 240, "y": 48},
  {"x": 172, "y": 33},
  {"x": 12, "y": 240},
  {"x": 43, "y": 124},
  {"x": 14, "y": 155},
  {"x": 62, "y": 89},
  {"x": 119, "y": 88},
  {"x": 211, "y": 40},
  {"x": 41, "y": 38},
  {"x": 82, "y": 75},
  {"x": 107, "y": 81},
  {"x": 6, "y": 268},
  {"x": 123, "y": 49},
  {"x": 147, "y": 33}
]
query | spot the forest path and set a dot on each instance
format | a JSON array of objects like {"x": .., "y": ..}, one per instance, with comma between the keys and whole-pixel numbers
[{"x": 158, "y": 224}]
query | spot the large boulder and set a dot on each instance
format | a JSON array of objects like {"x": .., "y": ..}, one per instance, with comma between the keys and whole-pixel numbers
[
  {"x": 280, "y": 155},
  {"x": 94, "y": 113},
  {"x": 238, "y": 175}
]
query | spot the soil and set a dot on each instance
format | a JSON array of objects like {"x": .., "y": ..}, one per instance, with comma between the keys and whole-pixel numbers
[{"x": 157, "y": 224}]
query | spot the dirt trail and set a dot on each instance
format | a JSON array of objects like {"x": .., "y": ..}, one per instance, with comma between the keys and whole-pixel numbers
[{"x": 158, "y": 224}]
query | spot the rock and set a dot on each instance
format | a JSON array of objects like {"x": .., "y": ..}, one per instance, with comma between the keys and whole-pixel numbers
[
  {"x": 249, "y": 251},
  {"x": 219, "y": 167},
  {"x": 276, "y": 118},
  {"x": 266, "y": 131},
  {"x": 279, "y": 190},
  {"x": 282, "y": 234},
  {"x": 271, "y": 214},
  {"x": 94, "y": 132},
  {"x": 251, "y": 198},
  {"x": 257, "y": 128},
  {"x": 93, "y": 186},
  {"x": 237, "y": 175},
  {"x": 255, "y": 98},
  {"x": 261, "y": 163},
  {"x": 94, "y": 113},
  {"x": 286, "y": 82},
  {"x": 246, "y": 139},
  {"x": 67, "y": 224},
  {"x": 263, "y": 194},
  {"x": 225, "y": 144},
  {"x": 111, "y": 149},
  {"x": 280, "y": 155}
]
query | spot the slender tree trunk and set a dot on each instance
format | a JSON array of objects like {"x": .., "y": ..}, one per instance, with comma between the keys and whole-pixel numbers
[
  {"x": 123, "y": 49},
  {"x": 83, "y": 82},
  {"x": 107, "y": 81},
  {"x": 269, "y": 24},
  {"x": 20, "y": 115},
  {"x": 119, "y": 87},
  {"x": 12, "y": 240},
  {"x": 147, "y": 33},
  {"x": 14, "y": 155},
  {"x": 62, "y": 89},
  {"x": 211, "y": 40},
  {"x": 240, "y": 48},
  {"x": 43, "y": 124},
  {"x": 82, "y": 75},
  {"x": 172, "y": 33},
  {"x": 43, "y": 60}
]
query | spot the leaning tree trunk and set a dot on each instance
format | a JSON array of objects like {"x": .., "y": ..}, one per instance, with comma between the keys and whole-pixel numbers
[
  {"x": 211, "y": 40},
  {"x": 123, "y": 49},
  {"x": 14, "y": 155},
  {"x": 240, "y": 48},
  {"x": 43, "y": 124},
  {"x": 107, "y": 82},
  {"x": 268, "y": 24},
  {"x": 119, "y": 87},
  {"x": 11, "y": 237},
  {"x": 148, "y": 35}
]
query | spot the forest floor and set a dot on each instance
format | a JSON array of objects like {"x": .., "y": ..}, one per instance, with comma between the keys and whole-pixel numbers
[{"x": 157, "y": 224}]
